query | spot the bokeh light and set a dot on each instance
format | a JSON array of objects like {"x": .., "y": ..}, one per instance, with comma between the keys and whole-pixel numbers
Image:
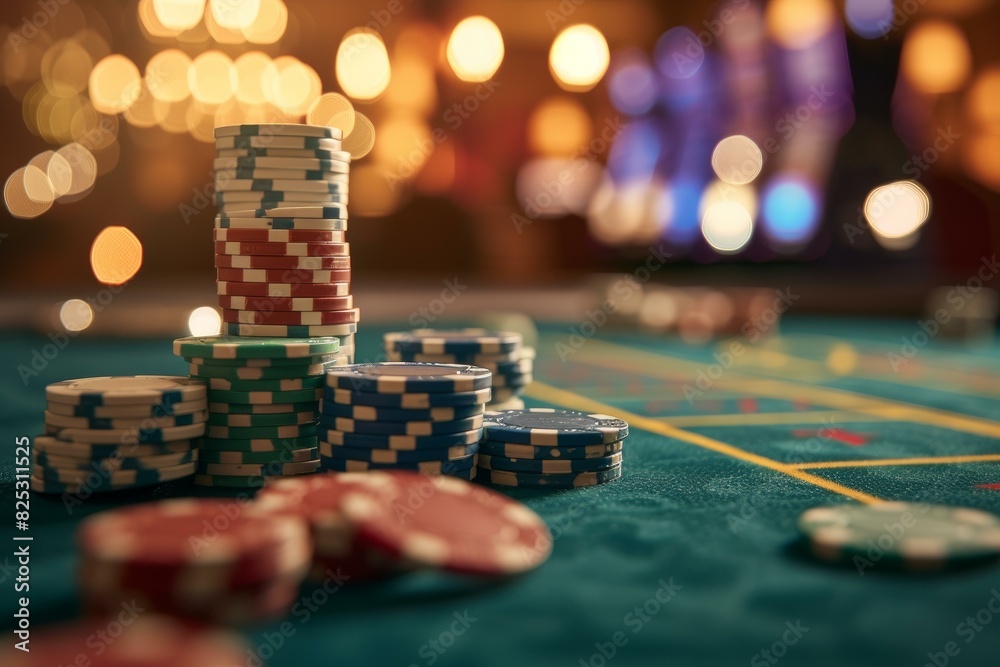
[
  {"x": 679, "y": 53},
  {"x": 84, "y": 167},
  {"x": 167, "y": 75},
  {"x": 870, "y": 18},
  {"x": 57, "y": 169},
  {"x": 204, "y": 321},
  {"x": 212, "y": 78},
  {"x": 115, "y": 256},
  {"x": 65, "y": 68},
  {"x": 737, "y": 160},
  {"x": 234, "y": 14},
  {"x": 270, "y": 25},
  {"x": 898, "y": 209},
  {"x": 791, "y": 210},
  {"x": 179, "y": 14},
  {"x": 360, "y": 141},
  {"x": 727, "y": 227},
  {"x": 332, "y": 110},
  {"x": 76, "y": 315},
  {"x": 475, "y": 49},
  {"x": 291, "y": 85},
  {"x": 559, "y": 127},
  {"x": 151, "y": 23},
  {"x": 250, "y": 73},
  {"x": 579, "y": 57},
  {"x": 936, "y": 57},
  {"x": 404, "y": 144},
  {"x": 720, "y": 191},
  {"x": 632, "y": 83},
  {"x": 798, "y": 24},
  {"x": 412, "y": 86},
  {"x": 115, "y": 84},
  {"x": 983, "y": 101},
  {"x": 362, "y": 65},
  {"x": 28, "y": 193}
]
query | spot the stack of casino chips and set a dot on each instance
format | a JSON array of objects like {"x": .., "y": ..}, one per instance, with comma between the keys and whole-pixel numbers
[
  {"x": 263, "y": 403},
  {"x": 416, "y": 416},
  {"x": 115, "y": 433},
  {"x": 551, "y": 448},
  {"x": 282, "y": 261},
  {"x": 501, "y": 352},
  {"x": 360, "y": 534},
  {"x": 205, "y": 560}
]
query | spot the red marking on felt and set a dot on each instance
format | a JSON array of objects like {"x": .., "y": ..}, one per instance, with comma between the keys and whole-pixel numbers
[
  {"x": 837, "y": 434},
  {"x": 748, "y": 405},
  {"x": 989, "y": 487}
]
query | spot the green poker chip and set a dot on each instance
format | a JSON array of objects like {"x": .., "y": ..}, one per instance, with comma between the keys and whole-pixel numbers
[
  {"x": 259, "y": 444},
  {"x": 277, "y": 419},
  {"x": 263, "y": 397},
  {"x": 252, "y": 432},
  {"x": 238, "y": 347},
  {"x": 243, "y": 373},
  {"x": 265, "y": 362},
  {"x": 285, "y": 384},
  {"x": 227, "y": 408},
  {"x": 284, "y": 456}
]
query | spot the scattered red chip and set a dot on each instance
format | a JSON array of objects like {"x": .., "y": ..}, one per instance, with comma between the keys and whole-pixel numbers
[
  {"x": 282, "y": 289},
  {"x": 304, "y": 318},
  {"x": 279, "y": 235},
  {"x": 265, "y": 304},
  {"x": 284, "y": 275},
  {"x": 317, "y": 249},
  {"x": 276, "y": 262},
  {"x": 147, "y": 641},
  {"x": 446, "y": 523}
]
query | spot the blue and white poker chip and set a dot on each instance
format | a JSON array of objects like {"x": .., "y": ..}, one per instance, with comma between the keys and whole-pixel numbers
[
  {"x": 550, "y": 427},
  {"x": 406, "y": 442},
  {"x": 279, "y": 130},
  {"x": 455, "y": 467},
  {"x": 404, "y": 377},
  {"x": 515, "y": 451},
  {"x": 549, "y": 466},
  {"x": 346, "y": 425},
  {"x": 463, "y": 341},
  {"x": 554, "y": 481},
  {"x": 395, "y": 455},
  {"x": 373, "y": 413},
  {"x": 406, "y": 401}
]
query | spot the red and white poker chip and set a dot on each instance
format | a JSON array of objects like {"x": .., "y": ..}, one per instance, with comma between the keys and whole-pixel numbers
[
  {"x": 281, "y": 262},
  {"x": 279, "y": 235},
  {"x": 298, "y": 317},
  {"x": 445, "y": 523}
]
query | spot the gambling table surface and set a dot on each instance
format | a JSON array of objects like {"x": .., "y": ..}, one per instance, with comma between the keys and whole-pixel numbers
[{"x": 692, "y": 558}]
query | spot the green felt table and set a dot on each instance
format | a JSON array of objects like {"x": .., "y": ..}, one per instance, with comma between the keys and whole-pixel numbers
[{"x": 691, "y": 558}]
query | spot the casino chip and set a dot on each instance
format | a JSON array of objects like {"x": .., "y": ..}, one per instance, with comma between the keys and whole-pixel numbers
[
  {"x": 502, "y": 353},
  {"x": 907, "y": 536},
  {"x": 513, "y": 451},
  {"x": 146, "y": 641},
  {"x": 549, "y": 466},
  {"x": 556, "y": 481},
  {"x": 459, "y": 528},
  {"x": 126, "y": 390},
  {"x": 401, "y": 378},
  {"x": 248, "y": 571},
  {"x": 549, "y": 427},
  {"x": 271, "y": 131}
]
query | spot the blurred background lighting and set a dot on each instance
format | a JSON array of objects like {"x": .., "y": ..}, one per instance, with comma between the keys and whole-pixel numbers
[
  {"x": 179, "y": 14},
  {"x": 115, "y": 256},
  {"x": 579, "y": 57},
  {"x": 167, "y": 75},
  {"x": 76, "y": 315},
  {"x": 737, "y": 160},
  {"x": 204, "y": 321},
  {"x": 632, "y": 83},
  {"x": 212, "y": 77},
  {"x": 362, "y": 65},
  {"x": 234, "y": 14},
  {"x": 898, "y": 209},
  {"x": 559, "y": 126},
  {"x": 790, "y": 210},
  {"x": 870, "y": 18},
  {"x": 798, "y": 24},
  {"x": 475, "y": 49},
  {"x": 727, "y": 226},
  {"x": 936, "y": 57}
]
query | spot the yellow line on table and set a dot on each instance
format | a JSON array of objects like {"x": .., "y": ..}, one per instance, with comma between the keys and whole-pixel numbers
[
  {"x": 550, "y": 394},
  {"x": 916, "y": 461},
  {"x": 624, "y": 359},
  {"x": 769, "y": 418}
]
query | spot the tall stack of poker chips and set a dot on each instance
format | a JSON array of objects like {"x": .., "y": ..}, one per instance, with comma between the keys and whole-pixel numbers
[
  {"x": 416, "y": 416},
  {"x": 115, "y": 433},
  {"x": 200, "y": 559},
  {"x": 263, "y": 402},
  {"x": 551, "y": 448},
  {"x": 501, "y": 352},
  {"x": 282, "y": 261}
]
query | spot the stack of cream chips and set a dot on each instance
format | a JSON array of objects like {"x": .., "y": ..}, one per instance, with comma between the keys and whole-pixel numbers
[
  {"x": 283, "y": 278},
  {"x": 115, "y": 433}
]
